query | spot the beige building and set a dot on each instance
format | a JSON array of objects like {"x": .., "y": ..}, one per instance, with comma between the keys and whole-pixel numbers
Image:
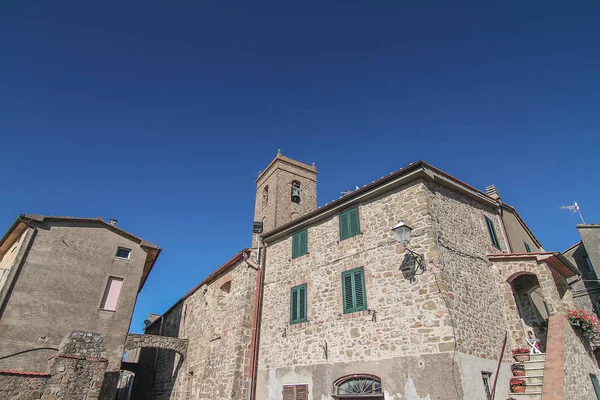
[
  {"x": 341, "y": 303},
  {"x": 60, "y": 274}
]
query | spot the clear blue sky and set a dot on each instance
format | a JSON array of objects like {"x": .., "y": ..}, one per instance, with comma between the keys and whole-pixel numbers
[{"x": 161, "y": 113}]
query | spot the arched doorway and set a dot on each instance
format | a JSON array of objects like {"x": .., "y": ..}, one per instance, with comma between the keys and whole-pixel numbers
[
  {"x": 357, "y": 387},
  {"x": 531, "y": 305}
]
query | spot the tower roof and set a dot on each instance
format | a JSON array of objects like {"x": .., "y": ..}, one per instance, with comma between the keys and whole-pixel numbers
[{"x": 286, "y": 160}]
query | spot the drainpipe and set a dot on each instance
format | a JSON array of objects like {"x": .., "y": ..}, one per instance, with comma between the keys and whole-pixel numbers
[{"x": 256, "y": 320}]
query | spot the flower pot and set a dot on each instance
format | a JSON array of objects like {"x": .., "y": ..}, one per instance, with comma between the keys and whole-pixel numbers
[
  {"x": 521, "y": 357},
  {"x": 518, "y": 373},
  {"x": 517, "y": 389}
]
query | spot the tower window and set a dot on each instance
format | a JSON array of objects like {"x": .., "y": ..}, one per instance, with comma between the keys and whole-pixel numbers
[
  {"x": 296, "y": 192},
  {"x": 265, "y": 196}
]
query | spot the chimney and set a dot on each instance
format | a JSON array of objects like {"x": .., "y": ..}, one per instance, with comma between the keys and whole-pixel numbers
[
  {"x": 113, "y": 222},
  {"x": 492, "y": 191}
]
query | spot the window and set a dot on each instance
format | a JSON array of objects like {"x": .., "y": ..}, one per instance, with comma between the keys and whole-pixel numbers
[
  {"x": 487, "y": 376},
  {"x": 265, "y": 196},
  {"x": 123, "y": 253},
  {"x": 492, "y": 231},
  {"x": 357, "y": 386},
  {"x": 527, "y": 248},
  {"x": 298, "y": 304},
  {"x": 111, "y": 293},
  {"x": 349, "y": 224},
  {"x": 296, "y": 192},
  {"x": 596, "y": 385},
  {"x": 588, "y": 262},
  {"x": 295, "y": 392},
  {"x": 353, "y": 288},
  {"x": 300, "y": 244}
]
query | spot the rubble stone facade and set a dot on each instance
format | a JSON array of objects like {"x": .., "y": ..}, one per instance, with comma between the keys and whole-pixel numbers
[{"x": 215, "y": 319}]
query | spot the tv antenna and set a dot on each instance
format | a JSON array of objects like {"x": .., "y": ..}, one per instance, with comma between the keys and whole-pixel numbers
[{"x": 574, "y": 209}]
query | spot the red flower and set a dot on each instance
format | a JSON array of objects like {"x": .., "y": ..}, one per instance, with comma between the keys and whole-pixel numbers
[{"x": 520, "y": 350}]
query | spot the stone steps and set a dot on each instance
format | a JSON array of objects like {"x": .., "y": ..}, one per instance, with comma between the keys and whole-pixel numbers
[
  {"x": 527, "y": 396},
  {"x": 534, "y": 377}
]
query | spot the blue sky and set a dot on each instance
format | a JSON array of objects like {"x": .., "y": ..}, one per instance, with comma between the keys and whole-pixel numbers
[{"x": 161, "y": 114}]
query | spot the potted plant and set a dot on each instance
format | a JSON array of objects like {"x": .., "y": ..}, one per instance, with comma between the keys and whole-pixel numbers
[
  {"x": 518, "y": 369},
  {"x": 517, "y": 385},
  {"x": 521, "y": 354},
  {"x": 588, "y": 323}
]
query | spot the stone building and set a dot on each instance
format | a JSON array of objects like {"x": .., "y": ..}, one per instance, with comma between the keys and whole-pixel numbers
[
  {"x": 338, "y": 301},
  {"x": 63, "y": 274},
  {"x": 586, "y": 255}
]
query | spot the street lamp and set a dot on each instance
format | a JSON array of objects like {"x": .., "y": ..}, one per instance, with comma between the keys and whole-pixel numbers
[{"x": 413, "y": 262}]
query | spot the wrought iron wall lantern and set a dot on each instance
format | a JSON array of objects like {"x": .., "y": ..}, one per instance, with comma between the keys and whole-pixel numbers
[{"x": 413, "y": 263}]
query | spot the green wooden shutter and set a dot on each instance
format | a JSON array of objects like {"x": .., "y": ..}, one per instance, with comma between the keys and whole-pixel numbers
[
  {"x": 300, "y": 244},
  {"x": 347, "y": 287},
  {"x": 302, "y": 303},
  {"x": 596, "y": 385},
  {"x": 354, "y": 222},
  {"x": 344, "y": 226},
  {"x": 294, "y": 306},
  {"x": 349, "y": 223},
  {"x": 360, "y": 301},
  {"x": 298, "y": 304},
  {"x": 527, "y": 248},
  {"x": 492, "y": 232},
  {"x": 304, "y": 242},
  {"x": 353, "y": 290}
]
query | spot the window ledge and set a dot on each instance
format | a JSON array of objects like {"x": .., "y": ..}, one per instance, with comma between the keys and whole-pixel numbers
[
  {"x": 355, "y": 314},
  {"x": 351, "y": 238},
  {"x": 300, "y": 257},
  {"x": 107, "y": 310},
  {"x": 299, "y": 325}
]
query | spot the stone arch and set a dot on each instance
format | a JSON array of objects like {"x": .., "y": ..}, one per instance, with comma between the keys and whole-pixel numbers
[{"x": 135, "y": 341}]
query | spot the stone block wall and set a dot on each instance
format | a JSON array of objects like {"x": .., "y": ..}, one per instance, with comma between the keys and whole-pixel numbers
[
  {"x": 216, "y": 320},
  {"x": 77, "y": 371},
  {"x": 579, "y": 363},
  {"x": 22, "y": 386},
  {"x": 411, "y": 317},
  {"x": 473, "y": 294}
]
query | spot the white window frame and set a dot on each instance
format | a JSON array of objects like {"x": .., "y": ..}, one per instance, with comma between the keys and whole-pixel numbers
[{"x": 123, "y": 248}]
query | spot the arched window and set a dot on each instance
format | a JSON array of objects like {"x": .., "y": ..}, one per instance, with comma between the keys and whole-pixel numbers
[
  {"x": 296, "y": 191},
  {"x": 358, "y": 386},
  {"x": 265, "y": 196}
]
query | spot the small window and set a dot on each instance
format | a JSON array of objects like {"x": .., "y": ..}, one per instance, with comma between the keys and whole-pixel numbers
[
  {"x": 358, "y": 386},
  {"x": 596, "y": 385},
  {"x": 298, "y": 305},
  {"x": 295, "y": 392},
  {"x": 349, "y": 224},
  {"x": 354, "y": 292},
  {"x": 296, "y": 192},
  {"x": 300, "y": 244},
  {"x": 487, "y": 377},
  {"x": 588, "y": 262},
  {"x": 527, "y": 248},
  {"x": 492, "y": 232},
  {"x": 265, "y": 196},
  {"x": 112, "y": 293},
  {"x": 123, "y": 253}
]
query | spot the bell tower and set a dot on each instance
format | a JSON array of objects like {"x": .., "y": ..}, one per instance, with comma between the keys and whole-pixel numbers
[{"x": 285, "y": 190}]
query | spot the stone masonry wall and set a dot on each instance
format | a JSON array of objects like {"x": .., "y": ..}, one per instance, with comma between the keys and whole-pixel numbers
[
  {"x": 19, "y": 386},
  {"x": 216, "y": 320},
  {"x": 579, "y": 363},
  {"x": 411, "y": 317},
  {"x": 464, "y": 242},
  {"x": 76, "y": 372}
]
